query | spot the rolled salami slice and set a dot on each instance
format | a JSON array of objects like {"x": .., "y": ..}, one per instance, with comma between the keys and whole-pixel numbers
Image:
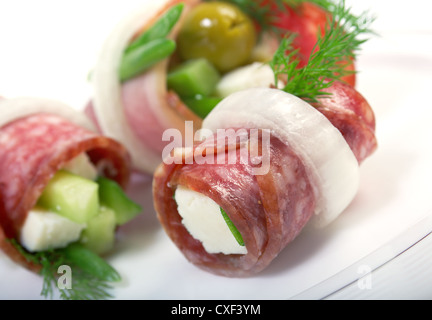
[
  {"x": 350, "y": 112},
  {"x": 137, "y": 112},
  {"x": 312, "y": 177},
  {"x": 38, "y": 137}
]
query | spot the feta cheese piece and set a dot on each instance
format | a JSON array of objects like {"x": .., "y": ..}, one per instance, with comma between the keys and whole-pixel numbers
[
  {"x": 82, "y": 166},
  {"x": 44, "y": 230},
  {"x": 255, "y": 75},
  {"x": 203, "y": 219}
]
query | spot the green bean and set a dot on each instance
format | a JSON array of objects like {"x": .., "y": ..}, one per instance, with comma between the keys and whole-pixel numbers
[
  {"x": 90, "y": 262},
  {"x": 144, "y": 57},
  {"x": 160, "y": 29}
]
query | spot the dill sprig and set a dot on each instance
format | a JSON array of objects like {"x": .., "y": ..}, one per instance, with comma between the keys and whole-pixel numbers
[
  {"x": 85, "y": 285},
  {"x": 345, "y": 31},
  {"x": 333, "y": 52}
]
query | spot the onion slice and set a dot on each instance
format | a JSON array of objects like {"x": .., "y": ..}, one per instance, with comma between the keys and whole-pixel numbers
[
  {"x": 331, "y": 164},
  {"x": 16, "y": 108}
]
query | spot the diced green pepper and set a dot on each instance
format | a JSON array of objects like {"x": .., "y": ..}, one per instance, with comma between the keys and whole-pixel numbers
[{"x": 113, "y": 196}]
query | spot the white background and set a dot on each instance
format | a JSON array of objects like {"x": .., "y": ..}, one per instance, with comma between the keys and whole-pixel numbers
[{"x": 48, "y": 47}]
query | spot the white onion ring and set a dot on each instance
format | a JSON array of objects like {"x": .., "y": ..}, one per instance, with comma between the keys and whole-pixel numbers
[
  {"x": 326, "y": 155},
  {"x": 16, "y": 108}
]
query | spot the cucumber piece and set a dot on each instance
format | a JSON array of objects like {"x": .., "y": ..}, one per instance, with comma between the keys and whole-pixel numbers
[
  {"x": 113, "y": 196},
  {"x": 71, "y": 196},
  {"x": 202, "y": 106},
  {"x": 99, "y": 236},
  {"x": 194, "y": 77}
]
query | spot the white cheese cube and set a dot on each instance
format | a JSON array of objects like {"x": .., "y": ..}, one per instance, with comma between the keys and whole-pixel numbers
[
  {"x": 82, "y": 166},
  {"x": 255, "y": 75},
  {"x": 202, "y": 217},
  {"x": 44, "y": 230}
]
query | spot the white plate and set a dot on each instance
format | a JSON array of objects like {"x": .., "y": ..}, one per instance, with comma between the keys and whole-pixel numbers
[{"x": 52, "y": 59}]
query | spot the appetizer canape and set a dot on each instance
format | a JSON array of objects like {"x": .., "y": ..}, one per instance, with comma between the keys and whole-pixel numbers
[
  {"x": 230, "y": 217},
  {"x": 62, "y": 194}
]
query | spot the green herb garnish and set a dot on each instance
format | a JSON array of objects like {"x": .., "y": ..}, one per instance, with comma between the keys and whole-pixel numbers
[
  {"x": 232, "y": 228},
  {"x": 330, "y": 57},
  {"x": 90, "y": 277}
]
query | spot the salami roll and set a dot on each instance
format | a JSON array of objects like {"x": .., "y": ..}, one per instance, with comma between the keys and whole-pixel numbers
[
  {"x": 38, "y": 137},
  {"x": 137, "y": 112},
  {"x": 312, "y": 176}
]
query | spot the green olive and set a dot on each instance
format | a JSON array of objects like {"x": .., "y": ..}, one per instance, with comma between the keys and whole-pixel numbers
[{"x": 219, "y": 32}]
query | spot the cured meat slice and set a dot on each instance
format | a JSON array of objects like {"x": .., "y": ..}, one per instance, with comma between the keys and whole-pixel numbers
[
  {"x": 254, "y": 204},
  {"x": 350, "y": 112},
  {"x": 37, "y": 138},
  {"x": 311, "y": 178}
]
